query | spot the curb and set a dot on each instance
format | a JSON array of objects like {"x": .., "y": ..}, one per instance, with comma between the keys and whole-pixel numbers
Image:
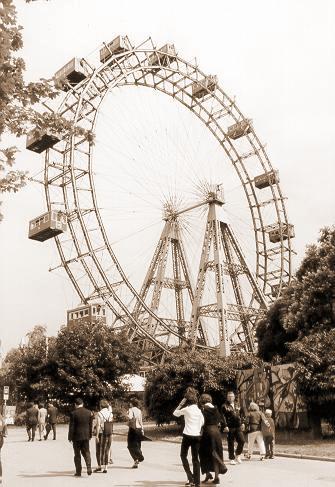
[{"x": 284, "y": 455}]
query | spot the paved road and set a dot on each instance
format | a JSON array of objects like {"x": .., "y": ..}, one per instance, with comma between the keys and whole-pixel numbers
[{"x": 50, "y": 463}]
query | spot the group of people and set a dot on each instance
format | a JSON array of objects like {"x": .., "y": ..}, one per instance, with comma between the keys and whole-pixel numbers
[
  {"x": 83, "y": 424},
  {"x": 37, "y": 416},
  {"x": 202, "y": 433},
  {"x": 204, "y": 423}
]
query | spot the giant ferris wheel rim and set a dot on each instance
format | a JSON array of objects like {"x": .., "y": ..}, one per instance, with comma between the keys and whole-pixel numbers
[{"x": 160, "y": 79}]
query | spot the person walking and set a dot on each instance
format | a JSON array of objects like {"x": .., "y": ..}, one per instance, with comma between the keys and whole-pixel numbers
[
  {"x": 3, "y": 434},
  {"x": 51, "y": 421},
  {"x": 233, "y": 423},
  {"x": 41, "y": 420},
  {"x": 80, "y": 433},
  {"x": 31, "y": 420},
  {"x": 104, "y": 430},
  {"x": 254, "y": 422},
  {"x": 268, "y": 434},
  {"x": 194, "y": 421},
  {"x": 135, "y": 432},
  {"x": 211, "y": 450}
]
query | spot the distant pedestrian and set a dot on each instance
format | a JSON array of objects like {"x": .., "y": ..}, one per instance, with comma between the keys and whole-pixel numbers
[
  {"x": 135, "y": 432},
  {"x": 104, "y": 431},
  {"x": 80, "y": 433},
  {"x": 268, "y": 434},
  {"x": 254, "y": 422},
  {"x": 51, "y": 421},
  {"x": 42, "y": 416},
  {"x": 194, "y": 422},
  {"x": 3, "y": 434},
  {"x": 211, "y": 451},
  {"x": 233, "y": 423},
  {"x": 31, "y": 420}
]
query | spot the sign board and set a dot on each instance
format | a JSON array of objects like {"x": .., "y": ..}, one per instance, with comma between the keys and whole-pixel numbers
[{"x": 5, "y": 393}]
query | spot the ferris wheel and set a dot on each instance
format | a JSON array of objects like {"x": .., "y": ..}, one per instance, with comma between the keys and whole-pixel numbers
[{"x": 173, "y": 218}]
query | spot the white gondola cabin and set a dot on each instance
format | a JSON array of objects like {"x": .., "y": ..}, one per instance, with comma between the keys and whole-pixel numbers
[
  {"x": 164, "y": 56},
  {"x": 41, "y": 141},
  {"x": 239, "y": 129},
  {"x": 202, "y": 87},
  {"x": 284, "y": 230},
  {"x": 266, "y": 179},
  {"x": 70, "y": 75},
  {"x": 116, "y": 46},
  {"x": 47, "y": 226},
  {"x": 87, "y": 313}
]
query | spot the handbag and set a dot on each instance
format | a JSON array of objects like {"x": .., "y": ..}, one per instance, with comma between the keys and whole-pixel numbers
[{"x": 132, "y": 422}]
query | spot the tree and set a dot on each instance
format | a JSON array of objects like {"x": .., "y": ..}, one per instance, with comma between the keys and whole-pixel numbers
[
  {"x": 89, "y": 360},
  {"x": 300, "y": 326},
  {"x": 315, "y": 359},
  {"x": 86, "y": 360},
  {"x": 307, "y": 305},
  {"x": 202, "y": 370},
  {"x": 21, "y": 102},
  {"x": 24, "y": 368}
]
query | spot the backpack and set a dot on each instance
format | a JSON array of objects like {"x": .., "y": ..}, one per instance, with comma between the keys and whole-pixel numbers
[{"x": 108, "y": 425}]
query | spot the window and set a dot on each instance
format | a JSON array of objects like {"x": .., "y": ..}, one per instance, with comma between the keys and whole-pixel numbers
[
  {"x": 86, "y": 312},
  {"x": 104, "y": 312},
  {"x": 46, "y": 218},
  {"x": 93, "y": 310}
]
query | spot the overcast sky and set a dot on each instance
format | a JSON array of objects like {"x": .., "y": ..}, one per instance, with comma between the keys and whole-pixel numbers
[{"x": 276, "y": 57}]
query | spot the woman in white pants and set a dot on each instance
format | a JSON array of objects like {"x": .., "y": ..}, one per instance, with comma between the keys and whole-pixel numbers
[{"x": 254, "y": 420}]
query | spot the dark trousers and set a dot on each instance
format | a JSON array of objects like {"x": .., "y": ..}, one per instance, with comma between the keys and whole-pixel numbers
[
  {"x": 81, "y": 447},
  {"x": 1, "y": 445},
  {"x": 31, "y": 430},
  {"x": 268, "y": 442},
  {"x": 50, "y": 427},
  {"x": 194, "y": 443},
  {"x": 235, "y": 434},
  {"x": 134, "y": 444},
  {"x": 103, "y": 445}
]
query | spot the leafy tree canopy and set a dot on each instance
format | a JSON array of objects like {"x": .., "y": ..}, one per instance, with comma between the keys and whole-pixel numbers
[
  {"x": 300, "y": 325},
  {"x": 83, "y": 360},
  {"x": 166, "y": 384}
]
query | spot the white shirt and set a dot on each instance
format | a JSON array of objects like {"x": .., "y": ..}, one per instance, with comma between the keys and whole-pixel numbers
[
  {"x": 136, "y": 413},
  {"x": 194, "y": 419}
]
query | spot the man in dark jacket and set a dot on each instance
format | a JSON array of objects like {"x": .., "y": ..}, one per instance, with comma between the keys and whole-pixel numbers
[
  {"x": 80, "y": 433},
  {"x": 51, "y": 421},
  {"x": 31, "y": 420},
  {"x": 234, "y": 424}
]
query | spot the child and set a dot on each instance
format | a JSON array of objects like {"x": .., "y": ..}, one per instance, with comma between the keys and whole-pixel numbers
[{"x": 268, "y": 434}]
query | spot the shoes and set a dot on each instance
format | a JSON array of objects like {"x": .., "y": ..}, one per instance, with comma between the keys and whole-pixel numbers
[
  {"x": 89, "y": 471},
  {"x": 261, "y": 458},
  {"x": 247, "y": 456},
  {"x": 29, "y": 439},
  {"x": 189, "y": 484},
  {"x": 266, "y": 457},
  {"x": 232, "y": 462},
  {"x": 77, "y": 474},
  {"x": 40, "y": 439},
  {"x": 216, "y": 481},
  {"x": 207, "y": 478},
  {"x": 135, "y": 464},
  {"x": 104, "y": 471},
  {"x": 271, "y": 457},
  {"x": 98, "y": 469},
  {"x": 45, "y": 437},
  {"x": 53, "y": 438},
  {"x": 111, "y": 461},
  {"x": 238, "y": 459}
]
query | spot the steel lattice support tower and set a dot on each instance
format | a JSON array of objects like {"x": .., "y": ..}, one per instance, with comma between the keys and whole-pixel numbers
[
  {"x": 227, "y": 259},
  {"x": 170, "y": 243}
]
